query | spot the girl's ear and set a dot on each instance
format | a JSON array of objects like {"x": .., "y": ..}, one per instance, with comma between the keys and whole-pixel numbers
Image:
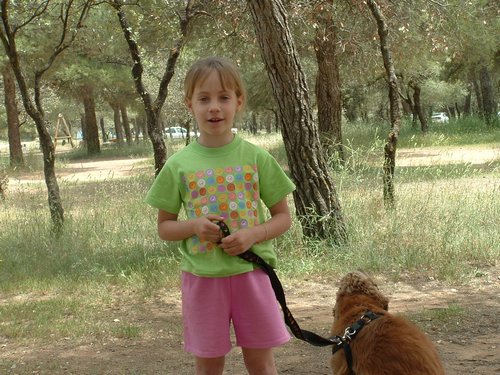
[
  {"x": 240, "y": 101},
  {"x": 189, "y": 104}
]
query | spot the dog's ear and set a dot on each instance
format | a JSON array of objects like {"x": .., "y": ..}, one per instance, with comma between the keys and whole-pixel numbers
[
  {"x": 383, "y": 300},
  {"x": 386, "y": 304},
  {"x": 335, "y": 312}
]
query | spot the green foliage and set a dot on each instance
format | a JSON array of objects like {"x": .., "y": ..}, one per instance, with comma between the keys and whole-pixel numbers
[
  {"x": 432, "y": 45},
  {"x": 440, "y": 95}
]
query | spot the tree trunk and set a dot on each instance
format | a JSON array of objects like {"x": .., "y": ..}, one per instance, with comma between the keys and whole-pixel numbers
[
  {"x": 34, "y": 106},
  {"x": 467, "y": 103},
  {"x": 409, "y": 108},
  {"x": 103, "y": 130},
  {"x": 126, "y": 124},
  {"x": 268, "y": 122},
  {"x": 316, "y": 202},
  {"x": 479, "y": 97},
  {"x": 137, "y": 130},
  {"x": 451, "y": 112},
  {"x": 328, "y": 95},
  {"x": 46, "y": 143},
  {"x": 253, "y": 123},
  {"x": 49, "y": 157},
  {"x": 91, "y": 128},
  {"x": 143, "y": 126},
  {"x": 457, "y": 110},
  {"x": 352, "y": 103},
  {"x": 488, "y": 109},
  {"x": 418, "y": 107},
  {"x": 153, "y": 108},
  {"x": 83, "y": 126},
  {"x": 394, "y": 102},
  {"x": 117, "y": 120},
  {"x": 13, "y": 133}
]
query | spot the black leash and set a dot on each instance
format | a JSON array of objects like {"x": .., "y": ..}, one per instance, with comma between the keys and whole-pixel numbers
[
  {"x": 307, "y": 336},
  {"x": 337, "y": 342}
]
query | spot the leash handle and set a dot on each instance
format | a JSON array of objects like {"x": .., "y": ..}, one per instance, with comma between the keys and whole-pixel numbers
[{"x": 310, "y": 337}]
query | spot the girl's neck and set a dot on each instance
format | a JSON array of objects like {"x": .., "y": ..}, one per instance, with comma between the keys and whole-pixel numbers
[{"x": 215, "y": 141}]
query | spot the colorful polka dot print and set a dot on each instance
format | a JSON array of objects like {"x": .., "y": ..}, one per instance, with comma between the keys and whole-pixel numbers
[{"x": 231, "y": 192}]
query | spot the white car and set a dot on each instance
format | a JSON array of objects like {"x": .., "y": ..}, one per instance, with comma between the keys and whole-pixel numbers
[
  {"x": 178, "y": 132},
  {"x": 439, "y": 117}
]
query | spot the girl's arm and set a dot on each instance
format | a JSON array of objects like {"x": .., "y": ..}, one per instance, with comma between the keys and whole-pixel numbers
[
  {"x": 169, "y": 229},
  {"x": 243, "y": 239}
]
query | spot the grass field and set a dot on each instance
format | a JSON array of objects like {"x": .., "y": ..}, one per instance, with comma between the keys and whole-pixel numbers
[{"x": 445, "y": 225}]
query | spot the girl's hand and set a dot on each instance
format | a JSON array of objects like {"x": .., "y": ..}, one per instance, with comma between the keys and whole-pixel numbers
[
  {"x": 238, "y": 242},
  {"x": 206, "y": 229}
]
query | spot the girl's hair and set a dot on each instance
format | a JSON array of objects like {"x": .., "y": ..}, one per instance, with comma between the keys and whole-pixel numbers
[{"x": 229, "y": 75}]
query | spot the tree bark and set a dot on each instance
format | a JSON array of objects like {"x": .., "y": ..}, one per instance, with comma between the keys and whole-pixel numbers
[
  {"x": 479, "y": 96},
  {"x": 91, "y": 128},
  {"x": 352, "y": 103},
  {"x": 13, "y": 127},
  {"x": 126, "y": 124},
  {"x": 253, "y": 123},
  {"x": 137, "y": 129},
  {"x": 467, "y": 103},
  {"x": 328, "y": 94},
  {"x": 408, "y": 107},
  {"x": 103, "y": 130},
  {"x": 488, "y": 109},
  {"x": 117, "y": 121},
  {"x": 316, "y": 202},
  {"x": 457, "y": 110},
  {"x": 33, "y": 106},
  {"x": 417, "y": 90},
  {"x": 83, "y": 126},
  {"x": 153, "y": 108},
  {"x": 394, "y": 103}
]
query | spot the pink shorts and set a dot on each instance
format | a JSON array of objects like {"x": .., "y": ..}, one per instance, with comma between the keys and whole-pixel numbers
[{"x": 210, "y": 304}]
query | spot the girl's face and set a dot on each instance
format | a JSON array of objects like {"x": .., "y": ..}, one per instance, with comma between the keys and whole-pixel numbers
[{"x": 214, "y": 109}]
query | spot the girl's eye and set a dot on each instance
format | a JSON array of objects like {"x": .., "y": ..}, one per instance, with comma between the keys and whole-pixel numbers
[
  {"x": 225, "y": 97},
  {"x": 203, "y": 99}
]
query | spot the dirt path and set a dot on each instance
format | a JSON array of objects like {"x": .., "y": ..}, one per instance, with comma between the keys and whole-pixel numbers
[
  {"x": 417, "y": 157},
  {"x": 467, "y": 342},
  {"x": 87, "y": 171},
  {"x": 119, "y": 168}
]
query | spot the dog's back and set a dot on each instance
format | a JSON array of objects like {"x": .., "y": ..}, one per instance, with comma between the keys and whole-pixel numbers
[{"x": 388, "y": 345}]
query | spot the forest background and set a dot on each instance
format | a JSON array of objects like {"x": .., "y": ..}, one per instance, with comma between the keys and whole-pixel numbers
[{"x": 112, "y": 71}]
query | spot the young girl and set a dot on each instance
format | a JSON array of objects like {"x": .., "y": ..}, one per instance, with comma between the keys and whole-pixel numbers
[{"x": 223, "y": 177}]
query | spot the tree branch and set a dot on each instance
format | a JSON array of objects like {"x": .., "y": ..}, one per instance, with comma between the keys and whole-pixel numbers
[
  {"x": 438, "y": 3},
  {"x": 37, "y": 13},
  {"x": 184, "y": 22},
  {"x": 64, "y": 42},
  {"x": 137, "y": 68},
  {"x": 5, "y": 31}
]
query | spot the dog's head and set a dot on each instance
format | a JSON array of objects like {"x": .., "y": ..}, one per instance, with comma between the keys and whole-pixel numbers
[{"x": 358, "y": 283}]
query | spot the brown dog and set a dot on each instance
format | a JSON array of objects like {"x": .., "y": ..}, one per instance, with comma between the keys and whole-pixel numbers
[{"x": 388, "y": 345}]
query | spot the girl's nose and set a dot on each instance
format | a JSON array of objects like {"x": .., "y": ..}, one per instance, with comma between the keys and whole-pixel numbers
[{"x": 214, "y": 107}]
